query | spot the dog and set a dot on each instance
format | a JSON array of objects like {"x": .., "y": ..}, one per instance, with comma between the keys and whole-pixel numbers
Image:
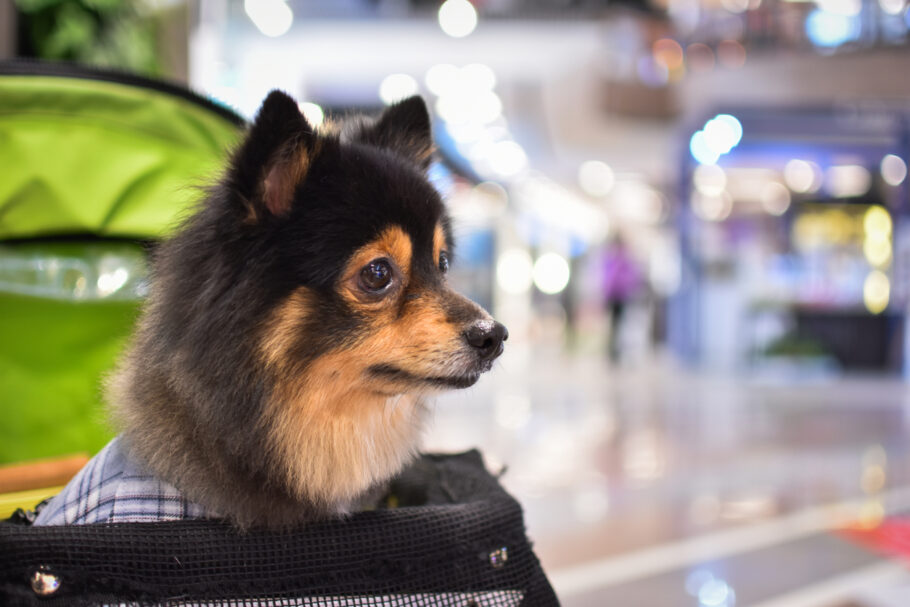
[{"x": 295, "y": 326}]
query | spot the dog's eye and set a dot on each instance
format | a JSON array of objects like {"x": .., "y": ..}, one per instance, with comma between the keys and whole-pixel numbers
[
  {"x": 443, "y": 262},
  {"x": 376, "y": 275}
]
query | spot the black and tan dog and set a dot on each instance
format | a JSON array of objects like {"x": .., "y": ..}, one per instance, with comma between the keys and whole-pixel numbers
[{"x": 296, "y": 323}]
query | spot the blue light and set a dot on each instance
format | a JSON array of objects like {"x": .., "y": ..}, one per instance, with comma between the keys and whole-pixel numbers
[
  {"x": 441, "y": 178},
  {"x": 829, "y": 29},
  {"x": 716, "y": 593},
  {"x": 727, "y": 130},
  {"x": 719, "y": 135},
  {"x": 701, "y": 151}
]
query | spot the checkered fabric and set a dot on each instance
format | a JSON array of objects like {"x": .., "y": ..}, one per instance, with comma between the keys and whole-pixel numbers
[{"x": 112, "y": 488}]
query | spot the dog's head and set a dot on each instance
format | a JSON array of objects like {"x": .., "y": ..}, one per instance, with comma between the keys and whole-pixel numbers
[
  {"x": 321, "y": 313},
  {"x": 361, "y": 244},
  {"x": 296, "y": 321}
]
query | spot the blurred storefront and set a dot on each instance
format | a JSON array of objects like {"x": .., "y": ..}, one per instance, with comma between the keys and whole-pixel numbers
[
  {"x": 794, "y": 235},
  {"x": 563, "y": 126}
]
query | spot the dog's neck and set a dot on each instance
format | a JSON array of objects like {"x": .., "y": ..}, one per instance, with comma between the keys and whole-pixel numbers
[
  {"x": 335, "y": 441},
  {"x": 320, "y": 445}
]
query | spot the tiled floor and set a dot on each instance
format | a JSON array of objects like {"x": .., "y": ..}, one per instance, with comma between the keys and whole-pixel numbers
[{"x": 651, "y": 485}]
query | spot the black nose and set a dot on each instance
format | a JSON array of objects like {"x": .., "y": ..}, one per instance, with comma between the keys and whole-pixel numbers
[{"x": 487, "y": 337}]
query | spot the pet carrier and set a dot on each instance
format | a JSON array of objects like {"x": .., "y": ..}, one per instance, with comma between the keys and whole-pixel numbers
[
  {"x": 96, "y": 166},
  {"x": 457, "y": 539}
]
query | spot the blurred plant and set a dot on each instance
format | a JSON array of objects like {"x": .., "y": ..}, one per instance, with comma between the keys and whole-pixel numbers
[
  {"x": 796, "y": 346},
  {"x": 106, "y": 33}
]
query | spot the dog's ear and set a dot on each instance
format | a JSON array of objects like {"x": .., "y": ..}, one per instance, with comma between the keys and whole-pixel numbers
[
  {"x": 274, "y": 158},
  {"x": 403, "y": 127}
]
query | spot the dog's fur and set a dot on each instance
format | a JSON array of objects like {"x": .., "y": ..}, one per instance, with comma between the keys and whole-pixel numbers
[{"x": 264, "y": 381}]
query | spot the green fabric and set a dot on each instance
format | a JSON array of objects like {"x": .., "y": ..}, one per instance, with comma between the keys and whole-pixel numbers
[
  {"x": 54, "y": 356},
  {"x": 83, "y": 157}
]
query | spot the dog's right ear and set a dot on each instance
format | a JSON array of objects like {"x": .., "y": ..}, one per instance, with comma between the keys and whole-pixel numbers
[{"x": 274, "y": 158}]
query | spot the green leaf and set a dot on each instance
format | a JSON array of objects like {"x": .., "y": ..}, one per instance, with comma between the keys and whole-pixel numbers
[{"x": 75, "y": 32}]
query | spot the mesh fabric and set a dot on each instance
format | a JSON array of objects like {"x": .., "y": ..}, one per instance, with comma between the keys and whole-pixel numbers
[{"x": 457, "y": 539}]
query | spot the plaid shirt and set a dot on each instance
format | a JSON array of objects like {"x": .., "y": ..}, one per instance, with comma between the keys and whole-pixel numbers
[{"x": 112, "y": 488}]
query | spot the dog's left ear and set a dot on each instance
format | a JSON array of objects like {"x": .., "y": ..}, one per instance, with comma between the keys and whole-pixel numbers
[
  {"x": 274, "y": 158},
  {"x": 404, "y": 127}
]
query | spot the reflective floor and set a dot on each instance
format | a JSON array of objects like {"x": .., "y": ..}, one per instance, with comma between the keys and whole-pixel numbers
[{"x": 649, "y": 485}]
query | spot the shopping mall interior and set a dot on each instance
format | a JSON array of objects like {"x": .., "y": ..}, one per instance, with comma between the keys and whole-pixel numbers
[{"x": 693, "y": 216}]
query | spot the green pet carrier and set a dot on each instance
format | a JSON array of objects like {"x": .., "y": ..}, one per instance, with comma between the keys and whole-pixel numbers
[{"x": 96, "y": 166}]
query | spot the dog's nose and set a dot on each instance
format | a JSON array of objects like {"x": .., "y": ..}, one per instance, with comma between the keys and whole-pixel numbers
[{"x": 487, "y": 337}]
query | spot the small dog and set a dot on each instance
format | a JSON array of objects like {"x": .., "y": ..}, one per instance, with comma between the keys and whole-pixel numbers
[{"x": 297, "y": 322}]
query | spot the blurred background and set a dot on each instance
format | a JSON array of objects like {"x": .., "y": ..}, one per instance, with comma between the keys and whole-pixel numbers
[{"x": 692, "y": 215}]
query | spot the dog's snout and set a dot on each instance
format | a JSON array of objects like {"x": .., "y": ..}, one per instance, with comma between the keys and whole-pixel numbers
[{"x": 486, "y": 336}]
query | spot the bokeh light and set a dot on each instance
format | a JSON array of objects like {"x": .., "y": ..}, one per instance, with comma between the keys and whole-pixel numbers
[
  {"x": 700, "y": 57},
  {"x": 109, "y": 282},
  {"x": 396, "y": 87},
  {"x": 892, "y": 7},
  {"x": 876, "y": 291},
  {"x": 716, "y": 593},
  {"x": 847, "y": 180},
  {"x": 735, "y": 6},
  {"x": 478, "y": 76},
  {"x": 718, "y": 137},
  {"x": 828, "y": 29},
  {"x": 701, "y": 151},
  {"x": 507, "y": 159},
  {"x": 467, "y": 106},
  {"x": 596, "y": 178},
  {"x": 877, "y": 220},
  {"x": 441, "y": 77},
  {"x": 723, "y": 133},
  {"x": 551, "y": 273},
  {"x": 712, "y": 208},
  {"x": 271, "y": 17},
  {"x": 669, "y": 53},
  {"x": 514, "y": 271},
  {"x": 709, "y": 179},
  {"x": 802, "y": 176},
  {"x": 731, "y": 54},
  {"x": 847, "y": 8},
  {"x": 457, "y": 18},
  {"x": 775, "y": 198},
  {"x": 312, "y": 112},
  {"x": 893, "y": 169},
  {"x": 877, "y": 227},
  {"x": 877, "y": 250}
]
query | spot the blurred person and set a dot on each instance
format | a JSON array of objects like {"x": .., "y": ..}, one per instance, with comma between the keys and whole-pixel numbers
[{"x": 621, "y": 282}]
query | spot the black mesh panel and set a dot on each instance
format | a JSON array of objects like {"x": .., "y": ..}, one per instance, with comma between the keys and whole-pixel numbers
[{"x": 463, "y": 545}]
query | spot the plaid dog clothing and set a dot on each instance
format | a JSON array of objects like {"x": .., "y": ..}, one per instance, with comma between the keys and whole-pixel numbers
[{"x": 112, "y": 488}]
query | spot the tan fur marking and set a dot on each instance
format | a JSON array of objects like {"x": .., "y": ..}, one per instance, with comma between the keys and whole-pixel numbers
[
  {"x": 285, "y": 174},
  {"x": 329, "y": 127},
  {"x": 337, "y": 437},
  {"x": 423, "y": 153},
  {"x": 338, "y": 430},
  {"x": 282, "y": 329},
  {"x": 392, "y": 243}
]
